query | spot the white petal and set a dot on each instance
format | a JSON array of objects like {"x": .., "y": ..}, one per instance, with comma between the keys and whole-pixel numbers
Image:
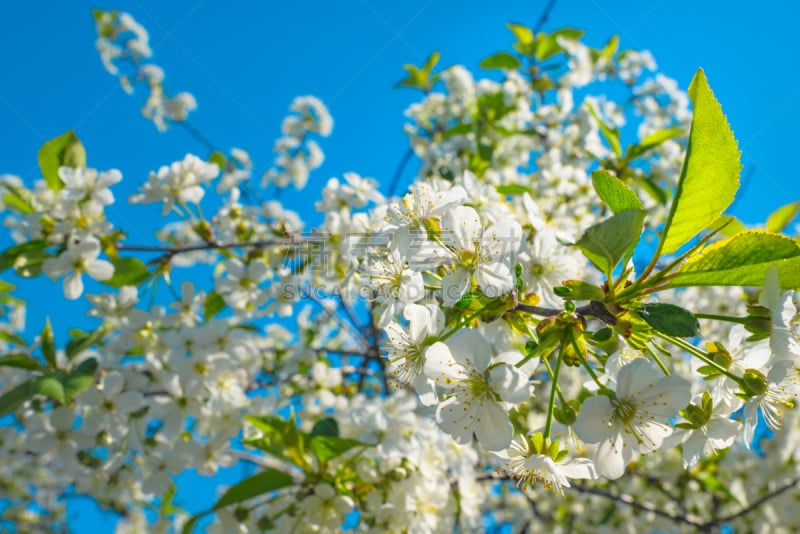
[
  {"x": 610, "y": 458},
  {"x": 113, "y": 382},
  {"x": 454, "y": 285},
  {"x": 73, "y": 286},
  {"x": 510, "y": 383},
  {"x": 666, "y": 397},
  {"x": 457, "y": 419},
  {"x": 441, "y": 367},
  {"x": 470, "y": 349},
  {"x": 592, "y": 424},
  {"x": 461, "y": 227},
  {"x": 418, "y": 319},
  {"x": 495, "y": 279},
  {"x": 578, "y": 468},
  {"x": 99, "y": 269},
  {"x": 493, "y": 428},
  {"x": 635, "y": 377}
]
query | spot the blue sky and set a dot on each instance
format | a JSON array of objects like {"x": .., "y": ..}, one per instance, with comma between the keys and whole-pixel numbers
[{"x": 245, "y": 61}]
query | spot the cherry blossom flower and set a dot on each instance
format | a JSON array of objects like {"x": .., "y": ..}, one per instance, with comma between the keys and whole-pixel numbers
[
  {"x": 635, "y": 420},
  {"x": 486, "y": 254},
  {"x": 464, "y": 368},
  {"x": 80, "y": 257},
  {"x": 529, "y": 467}
]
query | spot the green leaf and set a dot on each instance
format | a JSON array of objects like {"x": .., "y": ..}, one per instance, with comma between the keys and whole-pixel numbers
[
  {"x": 29, "y": 264},
  {"x": 328, "y": 447},
  {"x": 76, "y": 383},
  {"x": 523, "y": 34},
  {"x": 16, "y": 396},
  {"x": 21, "y": 361},
  {"x": 605, "y": 243},
  {"x": 86, "y": 367},
  {"x": 80, "y": 340},
  {"x": 652, "y": 140},
  {"x": 546, "y": 46},
  {"x": 670, "y": 319},
  {"x": 514, "y": 189},
  {"x": 128, "y": 272},
  {"x": 258, "y": 484},
  {"x": 580, "y": 290},
  {"x": 781, "y": 217},
  {"x": 710, "y": 174},
  {"x": 614, "y": 193},
  {"x": 727, "y": 226},
  {"x": 421, "y": 78},
  {"x": 11, "y": 338},
  {"x": 610, "y": 133},
  {"x": 500, "y": 60},
  {"x": 264, "y": 482},
  {"x": 66, "y": 150},
  {"x": 742, "y": 260},
  {"x": 213, "y": 304},
  {"x": 19, "y": 199},
  {"x": 48, "y": 344},
  {"x": 50, "y": 386},
  {"x": 458, "y": 129},
  {"x": 9, "y": 257},
  {"x": 218, "y": 158},
  {"x": 280, "y": 438},
  {"x": 325, "y": 427}
]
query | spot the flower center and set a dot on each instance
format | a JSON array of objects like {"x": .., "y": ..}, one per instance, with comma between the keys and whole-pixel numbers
[{"x": 625, "y": 410}]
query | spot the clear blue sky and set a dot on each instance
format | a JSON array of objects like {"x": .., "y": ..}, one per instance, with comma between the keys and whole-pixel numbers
[{"x": 245, "y": 61}]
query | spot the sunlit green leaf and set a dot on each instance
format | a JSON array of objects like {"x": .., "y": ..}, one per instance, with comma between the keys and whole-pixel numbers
[
  {"x": 500, "y": 60},
  {"x": 48, "y": 344},
  {"x": 514, "y": 189},
  {"x": 128, "y": 272},
  {"x": 213, "y": 304},
  {"x": 605, "y": 243},
  {"x": 614, "y": 193},
  {"x": 652, "y": 141},
  {"x": 741, "y": 260},
  {"x": 782, "y": 217},
  {"x": 328, "y": 447},
  {"x": 66, "y": 150},
  {"x": 710, "y": 174}
]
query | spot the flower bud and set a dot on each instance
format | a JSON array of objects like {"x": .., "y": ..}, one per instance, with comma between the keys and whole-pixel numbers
[{"x": 754, "y": 383}]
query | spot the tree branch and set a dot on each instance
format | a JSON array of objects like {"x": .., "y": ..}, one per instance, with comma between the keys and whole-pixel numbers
[
  {"x": 398, "y": 173},
  {"x": 755, "y": 504},
  {"x": 688, "y": 519},
  {"x": 543, "y": 18}
]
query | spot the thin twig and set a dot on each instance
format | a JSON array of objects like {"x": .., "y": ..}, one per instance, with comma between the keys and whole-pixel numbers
[
  {"x": 755, "y": 504},
  {"x": 398, "y": 173},
  {"x": 197, "y": 135},
  {"x": 172, "y": 251},
  {"x": 544, "y": 16},
  {"x": 688, "y": 519}
]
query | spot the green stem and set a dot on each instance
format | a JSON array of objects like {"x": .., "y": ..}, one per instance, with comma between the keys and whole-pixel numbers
[
  {"x": 462, "y": 323},
  {"x": 694, "y": 351},
  {"x": 657, "y": 360},
  {"x": 551, "y": 407},
  {"x": 558, "y": 389},
  {"x": 715, "y": 317},
  {"x": 585, "y": 363}
]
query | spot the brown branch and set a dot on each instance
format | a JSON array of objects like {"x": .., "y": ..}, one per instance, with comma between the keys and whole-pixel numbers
[
  {"x": 544, "y": 16},
  {"x": 688, "y": 519},
  {"x": 172, "y": 251},
  {"x": 755, "y": 504},
  {"x": 398, "y": 173}
]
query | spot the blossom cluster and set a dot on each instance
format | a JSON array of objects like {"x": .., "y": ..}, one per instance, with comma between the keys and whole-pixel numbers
[{"x": 418, "y": 362}]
